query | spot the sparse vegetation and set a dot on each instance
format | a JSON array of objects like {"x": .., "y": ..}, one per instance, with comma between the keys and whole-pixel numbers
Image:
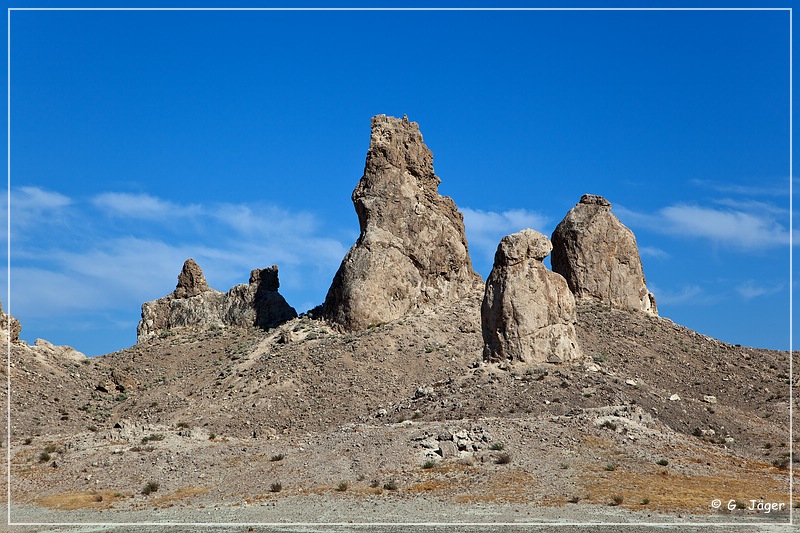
[
  {"x": 611, "y": 467},
  {"x": 502, "y": 459},
  {"x": 497, "y": 446},
  {"x": 645, "y": 501},
  {"x": 276, "y": 487},
  {"x": 342, "y": 486},
  {"x": 212, "y": 436},
  {"x": 390, "y": 485},
  {"x": 28, "y": 441},
  {"x": 428, "y": 464},
  {"x": 616, "y": 500},
  {"x": 277, "y": 457},
  {"x": 44, "y": 457},
  {"x": 662, "y": 462},
  {"x": 608, "y": 424},
  {"x": 152, "y": 437},
  {"x": 150, "y": 487}
]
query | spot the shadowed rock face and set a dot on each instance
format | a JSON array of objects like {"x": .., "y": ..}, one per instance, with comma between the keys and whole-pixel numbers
[
  {"x": 194, "y": 303},
  {"x": 528, "y": 312},
  {"x": 412, "y": 251},
  {"x": 599, "y": 257}
]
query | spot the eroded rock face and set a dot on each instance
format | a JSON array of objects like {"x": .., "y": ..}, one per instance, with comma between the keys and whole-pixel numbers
[
  {"x": 599, "y": 257},
  {"x": 412, "y": 251},
  {"x": 194, "y": 303},
  {"x": 9, "y": 324},
  {"x": 191, "y": 281},
  {"x": 528, "y": 312}
]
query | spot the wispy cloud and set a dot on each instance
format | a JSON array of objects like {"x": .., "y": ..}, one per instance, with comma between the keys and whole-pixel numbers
[
  {"x": 485, "y": 229},
  {"x": 652, "y": 251},
  {"x": 114, "y": 268},
  {"x": 775, "y": 189},
  {"x": 685, "y": 294},
  {"x": 751, "y": 289},
  {"x": 747, "y": 227},
  {"x": 142, "y": 206}
]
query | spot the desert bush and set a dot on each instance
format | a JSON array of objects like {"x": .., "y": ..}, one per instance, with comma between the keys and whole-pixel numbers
[
  {"x": 645, "y": 501},
  {"x": 342, "y": 486},
  {"x": 574, "y": 499},
  {"x": 662, "y": 462},
  {"x": 390, "y": 485},
  {"x": 276, "y": 487},
  {"x": 44, "y": 457},
  {"x": 611, "y": 467},
  {"x": 150, "y": 487},
  {"x": 428, "y": 464},
  {"x": 616, "y": 500},
  {"x": 277, "y": 457},
  {"x": 497, "y": 446},
  {"x": 503, "y": 459}
]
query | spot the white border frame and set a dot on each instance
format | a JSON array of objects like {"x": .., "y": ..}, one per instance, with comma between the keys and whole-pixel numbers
[{"x": 403, "y": 524}]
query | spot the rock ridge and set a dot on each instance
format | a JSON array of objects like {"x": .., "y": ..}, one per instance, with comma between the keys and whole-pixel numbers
[{"x": 195, "y": 303}]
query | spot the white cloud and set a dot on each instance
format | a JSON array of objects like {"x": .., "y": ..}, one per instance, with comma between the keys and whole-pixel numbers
[
  {"x": 652, "y": 251},
  {"x": 739, "y": 228},
  {"x": 750, "y": 289},
  {"x": 485, "y": 228},
  {"x": 143, "y": 206},
  {"x": 687, "y": 293},
  {"x": 780, "y": 189}
]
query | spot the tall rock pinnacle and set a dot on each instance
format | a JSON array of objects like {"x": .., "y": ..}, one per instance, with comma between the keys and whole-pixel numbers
[
  {"x": 412, "y": 251},
  {"x": 599, "y": 257}
]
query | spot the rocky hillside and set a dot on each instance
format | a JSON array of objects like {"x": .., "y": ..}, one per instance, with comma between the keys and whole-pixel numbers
[{"x": 414, "y": 378}]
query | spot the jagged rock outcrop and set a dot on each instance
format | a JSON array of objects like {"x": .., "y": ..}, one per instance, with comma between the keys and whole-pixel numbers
[
  {"x": 194, "y": 303},
  {"x": 191, "y": 281},
  {"x": 9, "y": 324},
  {"x": 599, "y": 257},
  {"x": 528, "y": 312},
  {"x": 412, "y": 251}
]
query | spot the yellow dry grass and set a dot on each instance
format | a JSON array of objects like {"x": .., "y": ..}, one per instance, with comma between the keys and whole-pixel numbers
[
  {"x": 70, "y": 501},
  {"x": 673, "y": 492},
  {"x": 180, "y": 494}
]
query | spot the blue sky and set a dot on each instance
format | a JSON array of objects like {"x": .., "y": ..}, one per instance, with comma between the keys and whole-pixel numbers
[{"x": 142, "y": 138}]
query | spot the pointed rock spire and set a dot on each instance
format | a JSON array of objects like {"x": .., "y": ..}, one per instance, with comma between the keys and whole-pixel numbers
[{"x": 412, "y": 251}]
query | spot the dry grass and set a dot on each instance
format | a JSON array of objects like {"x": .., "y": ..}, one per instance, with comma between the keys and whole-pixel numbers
[
  {"x": 180, "y": 494},
  {"x": 669, "y": 492},
  {"x": 70, "y": 501},
  {"x": 510, "y": 486}
]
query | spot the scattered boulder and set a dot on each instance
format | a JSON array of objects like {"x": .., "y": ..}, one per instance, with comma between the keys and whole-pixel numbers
[
  {"x": 599, "y": 257},
  {"x": 528, "y": 313},
  {"x": 194, "y": 303},
  {"x": 412, "y": 252}
]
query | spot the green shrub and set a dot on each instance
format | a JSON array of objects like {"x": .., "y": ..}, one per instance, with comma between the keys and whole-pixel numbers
[
  {"x": 276, "y": 487},
  {"x": 497, "y": 446},
  {"x": 611, "y": 467},
  {"x": 342, "y": 486},
  {"x": 428, "y": 464},
  {"x": 390, "y": 485},
  {"x": 150, "y": 487},
  {"x": 616, "y": 500},
  {"x": 662, "y": 462},
  {"x": 277, "y": 457},
  {"x": 44, "y": 457}
]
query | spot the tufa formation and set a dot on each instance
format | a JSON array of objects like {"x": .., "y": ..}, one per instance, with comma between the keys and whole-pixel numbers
[
  {"x": 10, "y": 324},
  {"x": 194, "y": 303},
  {"x": 528, "y": 313},
  {"x": 599, "y": 257},
  {"x": 412, "y": 252}
]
